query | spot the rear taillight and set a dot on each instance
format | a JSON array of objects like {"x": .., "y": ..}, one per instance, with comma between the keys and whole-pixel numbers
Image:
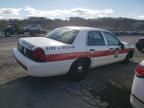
[
  {"x": 139, "y": 71},
  {"x": 39, "y": 55}
]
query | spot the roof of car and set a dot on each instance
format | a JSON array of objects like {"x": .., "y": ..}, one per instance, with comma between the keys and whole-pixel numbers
[{"x": 83, "y": 28}]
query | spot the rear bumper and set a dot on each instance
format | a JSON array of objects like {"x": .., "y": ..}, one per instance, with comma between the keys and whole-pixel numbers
[
  {"x": 22, "y": 65},
  {"x": 136, "y": 102},
  {"x": 137, "y": 96},
  {"x": 42, "y": 69}
]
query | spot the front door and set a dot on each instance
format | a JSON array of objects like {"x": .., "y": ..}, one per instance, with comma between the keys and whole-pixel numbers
[
  {"x": 97, "y": 48},
  {"x": 113, "y": 44}
]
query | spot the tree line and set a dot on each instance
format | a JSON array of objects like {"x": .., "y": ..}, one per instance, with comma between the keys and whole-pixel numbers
[{"x": 113, "y": 24}]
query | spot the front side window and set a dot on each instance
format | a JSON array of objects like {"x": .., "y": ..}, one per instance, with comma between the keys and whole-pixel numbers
[
  {"x": 111, "y": 38},
  {"x": 95, "y": 38},
  {"x": 64, "y": 35}
]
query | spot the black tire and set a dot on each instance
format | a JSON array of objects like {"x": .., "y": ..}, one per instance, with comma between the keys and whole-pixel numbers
[
  {"x": 7, "y": 34},
  {"x": 128, "y": 57},
  {"x": 31, "y": 34},
  {"x": 139, "y": 49},
  {"x": 34, "y": 34},
  {"x": 130, "y": 106},
  {"x": 79, "y": 70}
]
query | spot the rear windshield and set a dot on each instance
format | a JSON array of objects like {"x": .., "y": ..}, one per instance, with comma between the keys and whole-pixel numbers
[{"x": 64, "y": 35}]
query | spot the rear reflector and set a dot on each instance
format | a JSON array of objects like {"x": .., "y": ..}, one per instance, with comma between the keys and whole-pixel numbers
[{"x": 139, "y": 71}]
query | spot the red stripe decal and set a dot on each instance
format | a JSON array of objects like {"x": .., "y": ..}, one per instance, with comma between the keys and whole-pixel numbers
[{"x": 68, "y": 56}]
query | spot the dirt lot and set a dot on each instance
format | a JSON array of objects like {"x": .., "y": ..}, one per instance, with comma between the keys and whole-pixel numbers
[{"x": 105, "y": 87}]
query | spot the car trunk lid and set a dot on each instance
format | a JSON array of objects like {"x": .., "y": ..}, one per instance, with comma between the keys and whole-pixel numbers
[
  {"x": 32, "y": 42},
  {"x": 27, "y": 46}
]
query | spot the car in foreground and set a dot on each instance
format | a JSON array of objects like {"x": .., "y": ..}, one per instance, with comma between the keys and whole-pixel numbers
[
  {"x": 137, "y": 95},
  {"x": 140, "y": 44},
  {"x": 71, "y": 50}
]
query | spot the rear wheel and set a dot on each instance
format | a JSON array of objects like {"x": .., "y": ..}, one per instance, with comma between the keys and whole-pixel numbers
[
  {"x": 79, "y": 70},
  {"x": 138, "y": 48},
  {"x": 7, "y": 34},
  {"x": 128, "y": 57}
]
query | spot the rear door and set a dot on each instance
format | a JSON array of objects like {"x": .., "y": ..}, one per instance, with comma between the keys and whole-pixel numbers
[
  {"x": 114, "y": 47},
  {"x": 96, "y": 46}
]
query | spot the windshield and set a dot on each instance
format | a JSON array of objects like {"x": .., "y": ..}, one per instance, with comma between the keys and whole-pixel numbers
[{"x": 64, "y": 35}]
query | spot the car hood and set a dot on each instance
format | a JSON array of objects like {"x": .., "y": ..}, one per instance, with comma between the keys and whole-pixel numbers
[
  {"x": 128, "y": 45},
  {"x": 142, "y": 63}
]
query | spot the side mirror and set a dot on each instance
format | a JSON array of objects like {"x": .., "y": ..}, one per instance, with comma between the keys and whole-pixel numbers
[{"x": 122, "y": 45}]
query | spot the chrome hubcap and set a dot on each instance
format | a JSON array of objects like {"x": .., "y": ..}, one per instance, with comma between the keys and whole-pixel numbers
[{"x": 79, "y": 69}]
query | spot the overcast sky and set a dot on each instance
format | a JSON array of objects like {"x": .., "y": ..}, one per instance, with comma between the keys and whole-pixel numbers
[{"x": 71, "y": 8}]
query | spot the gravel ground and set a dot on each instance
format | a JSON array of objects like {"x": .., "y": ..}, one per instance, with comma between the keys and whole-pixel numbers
[{"x": 105, "y": 87}]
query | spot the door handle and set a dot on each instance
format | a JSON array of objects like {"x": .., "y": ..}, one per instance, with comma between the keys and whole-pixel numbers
[
  {"x": 111, "y": 49},
  {"x": 117, "y": 49},
  {"x": 92, "y": 50}
]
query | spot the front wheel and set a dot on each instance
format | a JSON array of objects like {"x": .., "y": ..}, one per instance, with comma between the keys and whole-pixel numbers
[
  {"x": 128, "y": 57},
  {"x": 79, "y": 70},
  {"x": 139, "y": 49}
]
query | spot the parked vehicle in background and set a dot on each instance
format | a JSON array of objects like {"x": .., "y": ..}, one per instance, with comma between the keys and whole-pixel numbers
[
  {"x": 11, "y": 29},
  {"x": 137, "y": 93},
  {"x": 15, "y": 29},
  {"x": 34, "y": 29},
  {"x": 71, "y": 50},
  {"x": 140, "y": 44}
]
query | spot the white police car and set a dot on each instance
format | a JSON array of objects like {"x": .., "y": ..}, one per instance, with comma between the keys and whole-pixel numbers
[
  {"x": 71, "y": 50},
  {"x": 137, "y": 95}
]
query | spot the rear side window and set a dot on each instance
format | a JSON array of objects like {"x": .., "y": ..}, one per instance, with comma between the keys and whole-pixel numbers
[
  {"x": 64, "y": 35},
  {"x": 95, "y": 38}
]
